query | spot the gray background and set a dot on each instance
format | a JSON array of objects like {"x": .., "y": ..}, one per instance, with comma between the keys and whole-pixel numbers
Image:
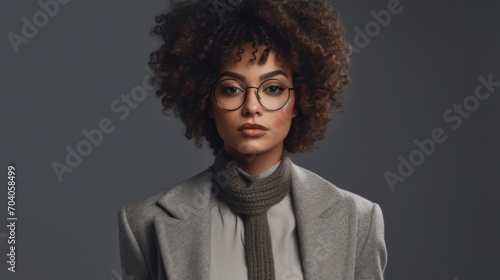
[{"x": 442, "y": 222}]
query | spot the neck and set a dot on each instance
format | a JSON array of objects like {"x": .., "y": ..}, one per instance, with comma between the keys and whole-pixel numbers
[{"x": 255, "y": 163}]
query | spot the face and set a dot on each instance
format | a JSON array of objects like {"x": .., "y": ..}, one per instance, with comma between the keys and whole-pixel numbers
[{"x": 266, "y": 140}]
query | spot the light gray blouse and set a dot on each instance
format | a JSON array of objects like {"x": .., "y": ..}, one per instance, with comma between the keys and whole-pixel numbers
[{"x": 227, "y": 250}]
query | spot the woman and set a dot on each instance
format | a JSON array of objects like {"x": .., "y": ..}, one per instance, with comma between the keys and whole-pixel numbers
[{"x": 258, "y": 80}]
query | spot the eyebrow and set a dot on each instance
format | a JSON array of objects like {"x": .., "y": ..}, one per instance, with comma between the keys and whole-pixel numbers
[{"x": 262, "y": 77}]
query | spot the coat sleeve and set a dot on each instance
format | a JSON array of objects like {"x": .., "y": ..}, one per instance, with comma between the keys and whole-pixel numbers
[
  {"x": 372, "y": 258},
  {"x": 133, "y": 264}
]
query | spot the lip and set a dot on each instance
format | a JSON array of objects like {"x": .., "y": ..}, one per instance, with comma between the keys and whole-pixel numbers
[
  {"x": 252, "y": 130},
  {"x": 252, "y": 126}
]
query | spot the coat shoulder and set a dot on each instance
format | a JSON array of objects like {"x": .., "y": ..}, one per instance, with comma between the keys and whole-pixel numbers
[
  {"x": 360, "y": 206},
  {"x": 144, "y": 210}
]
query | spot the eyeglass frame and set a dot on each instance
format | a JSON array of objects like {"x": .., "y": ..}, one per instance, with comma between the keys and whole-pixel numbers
[{"x": 256, "y": 93}]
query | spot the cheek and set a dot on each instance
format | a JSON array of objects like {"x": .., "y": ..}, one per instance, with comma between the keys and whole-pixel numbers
[
  {"x": 283, "y": 119},
  {"x": 218, "y": 114},
  {"x": 223, "y": 121}
]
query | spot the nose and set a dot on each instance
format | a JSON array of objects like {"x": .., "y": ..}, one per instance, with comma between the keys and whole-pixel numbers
[{"x": 251, "y": 105}]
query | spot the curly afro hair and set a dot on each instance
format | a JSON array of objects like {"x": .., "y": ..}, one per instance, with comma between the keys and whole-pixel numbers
[{"x": 199, "y": 36}]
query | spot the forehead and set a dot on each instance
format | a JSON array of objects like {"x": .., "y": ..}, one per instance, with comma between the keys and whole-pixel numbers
[{"x": 249, "y": 61}]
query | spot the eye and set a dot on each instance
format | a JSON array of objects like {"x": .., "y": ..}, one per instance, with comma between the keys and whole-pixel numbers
[
  {"x": 274, "y": 89},
  {"x": 229, "y": 88}
]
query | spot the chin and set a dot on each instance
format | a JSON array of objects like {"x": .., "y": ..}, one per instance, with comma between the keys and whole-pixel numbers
[{"x": 248, "y": 148}]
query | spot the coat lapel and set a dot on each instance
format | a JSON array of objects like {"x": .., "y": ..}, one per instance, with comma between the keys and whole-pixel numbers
[
  {"x": 184, "y": 233},
  {"x": 322, "y": 226}
]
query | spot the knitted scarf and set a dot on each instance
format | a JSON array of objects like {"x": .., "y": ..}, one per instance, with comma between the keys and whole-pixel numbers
[{"x": 251, "y": 200}]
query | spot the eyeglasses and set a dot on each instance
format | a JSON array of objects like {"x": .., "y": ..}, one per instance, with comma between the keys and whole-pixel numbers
[{"x": 231, "y": 94}]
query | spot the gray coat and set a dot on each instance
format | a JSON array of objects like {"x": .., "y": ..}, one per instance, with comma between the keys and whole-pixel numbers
[{"x": 167, "y": 236}]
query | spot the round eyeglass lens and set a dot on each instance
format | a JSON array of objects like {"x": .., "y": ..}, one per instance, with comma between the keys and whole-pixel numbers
[{"x": 230, "y": 94}]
